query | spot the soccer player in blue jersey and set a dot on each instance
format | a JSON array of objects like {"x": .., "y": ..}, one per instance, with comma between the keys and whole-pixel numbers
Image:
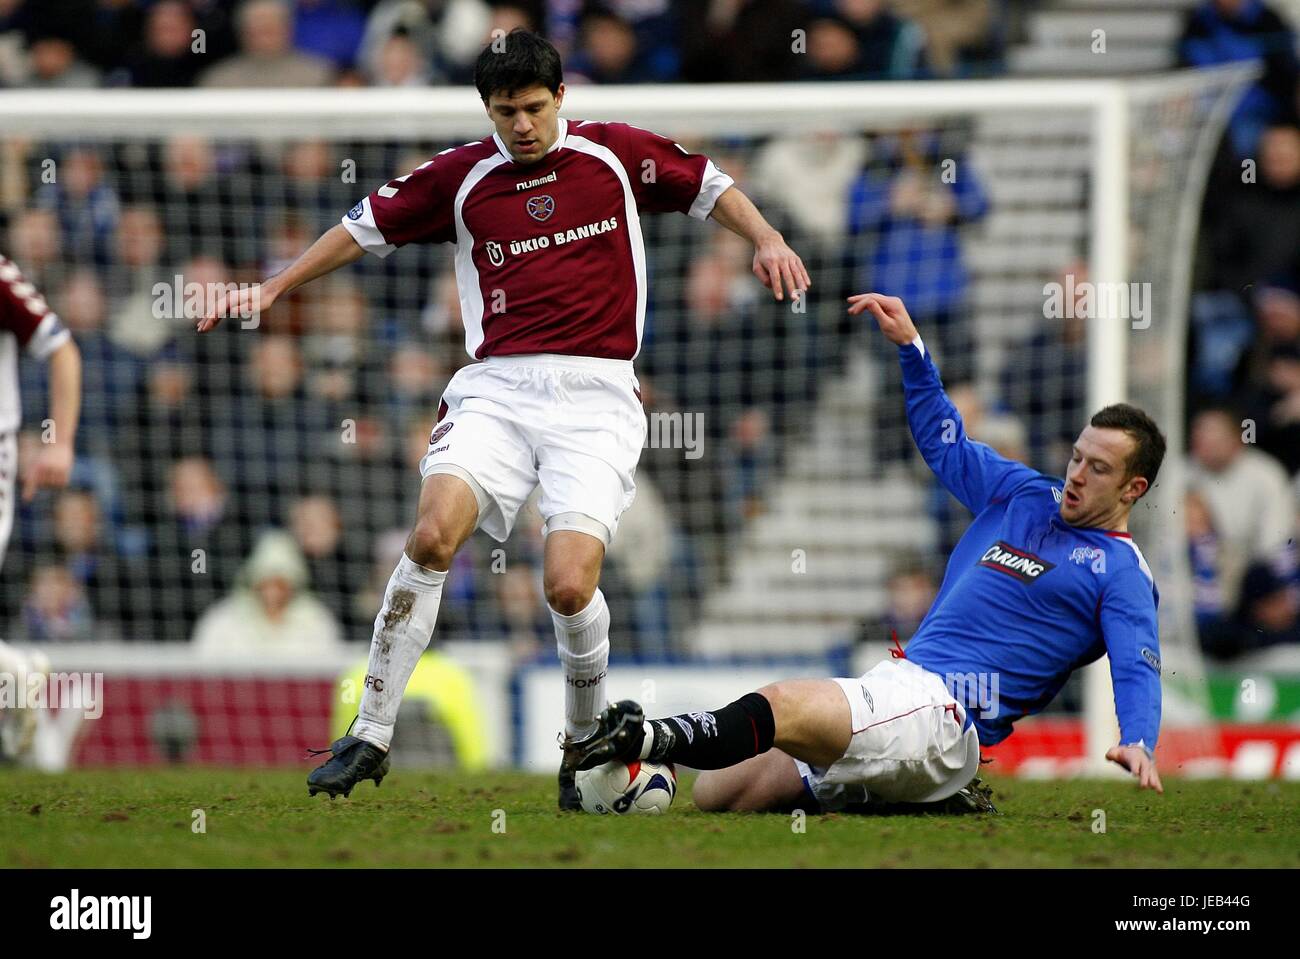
[{"x": 1046, "y": 579}]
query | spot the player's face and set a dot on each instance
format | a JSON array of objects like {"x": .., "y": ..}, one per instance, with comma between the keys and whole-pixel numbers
[
  {"x": 528, "y": 121},
  {"x": 1098, "y": 491}
]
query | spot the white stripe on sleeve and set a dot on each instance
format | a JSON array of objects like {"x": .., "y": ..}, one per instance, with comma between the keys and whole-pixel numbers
[
  {"x": 364, "y": 230},
  {"x": 49, "y": 336},
  {"x": 712, "y": 185}
]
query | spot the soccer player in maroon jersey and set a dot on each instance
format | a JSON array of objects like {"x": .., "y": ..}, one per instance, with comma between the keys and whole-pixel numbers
[
  {"x": 551, "y": 270},
  {"x": 28, "y": 323}
]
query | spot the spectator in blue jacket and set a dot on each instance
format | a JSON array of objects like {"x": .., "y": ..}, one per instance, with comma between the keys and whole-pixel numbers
[
  {"x": 907, "y": 209},
  {"x": 1230, "y": 31}
]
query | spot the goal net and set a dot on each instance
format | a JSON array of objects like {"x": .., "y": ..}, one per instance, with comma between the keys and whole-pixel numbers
[{"x": 782, "y": 511}]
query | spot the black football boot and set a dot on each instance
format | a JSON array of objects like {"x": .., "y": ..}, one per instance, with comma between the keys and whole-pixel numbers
[
  {"x": 569, "y": 800},
  {"x": 975, "y": 797},
  {"x": 620, "y": 730},
  {"x": 352, "y": 761}
]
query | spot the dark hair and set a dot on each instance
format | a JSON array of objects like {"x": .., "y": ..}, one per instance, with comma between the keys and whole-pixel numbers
[
  {"x": 517, "y": 61},
  {"x": 1149, "y": 450}
]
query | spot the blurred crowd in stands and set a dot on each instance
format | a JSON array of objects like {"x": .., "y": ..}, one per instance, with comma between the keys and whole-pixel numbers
[
  {"x": 313, "y": 43},
  {"x": 270, "y": 478},
  {"x": 1244, "y": 356}
]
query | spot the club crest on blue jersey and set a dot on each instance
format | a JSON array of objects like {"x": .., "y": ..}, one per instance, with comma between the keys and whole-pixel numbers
[
  {"x": 541, "y": 207},
  {"x": 1090, "y": 555}
]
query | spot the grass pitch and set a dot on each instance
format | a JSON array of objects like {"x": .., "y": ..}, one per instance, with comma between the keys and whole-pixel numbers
[{"x": 127, "y": 818}]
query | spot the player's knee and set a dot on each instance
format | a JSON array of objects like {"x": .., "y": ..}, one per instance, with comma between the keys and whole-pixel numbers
[
  {"x": 777, "y": 697},
  {"x": 430, "y": 545},
  {"x": 568, "y": 593}
]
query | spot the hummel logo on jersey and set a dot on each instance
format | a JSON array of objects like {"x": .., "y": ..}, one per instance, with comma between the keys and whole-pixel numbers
[
  {"x": 1005, "y": 558},
  {"x": 529, "y": 184}
]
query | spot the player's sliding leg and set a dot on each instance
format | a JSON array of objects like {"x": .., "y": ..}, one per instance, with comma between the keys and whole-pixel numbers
[
  {"x": 448, "y": 514},
  {"x": 581, "y": 618},
  {"x": 922, "y": 754},
  {"x": 808, "y": 719},
  {"x": 805, "y": 719}
]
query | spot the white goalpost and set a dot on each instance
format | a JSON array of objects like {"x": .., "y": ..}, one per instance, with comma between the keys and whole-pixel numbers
[{"x": 799, "y": 429}]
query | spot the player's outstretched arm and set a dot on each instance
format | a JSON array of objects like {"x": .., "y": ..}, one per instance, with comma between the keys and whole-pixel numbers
[
  {"x": 52, "y": 466},
  {"x": 971, "y": 471},
  {"x": 1130, "y": 629},
  {"x": 778, "y": 266},
  {"x": 334, "y": 249}
]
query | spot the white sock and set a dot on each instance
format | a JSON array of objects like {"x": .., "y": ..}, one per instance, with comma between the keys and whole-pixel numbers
[
  {"x": 584, "y": 654},
  {"x": 402, "y": 632}
]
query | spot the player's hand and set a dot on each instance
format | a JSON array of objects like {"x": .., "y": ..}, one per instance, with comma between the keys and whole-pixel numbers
[
  {"x": 244, "y": 302},
  {"x": 51, "y": 468},
  {"x": 890, "y": 314},
  {"x": 779, "y": 267},
  {"x": 1136, "y": 761}
]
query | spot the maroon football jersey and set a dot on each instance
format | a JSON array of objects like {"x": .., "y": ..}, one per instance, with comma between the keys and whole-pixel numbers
[
  {"x": 549, "y": 256},
  {"x": 26, "y": 322}
]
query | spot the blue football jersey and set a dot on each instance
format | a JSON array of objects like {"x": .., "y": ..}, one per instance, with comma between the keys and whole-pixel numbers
[{"x": 1027, "y": 598}]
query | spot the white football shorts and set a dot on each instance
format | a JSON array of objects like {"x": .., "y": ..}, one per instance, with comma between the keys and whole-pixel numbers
[
  {"x": 572, "y": 424},
  {"x": 8, "y": 488},
  {"x": 908, "y": 743}
]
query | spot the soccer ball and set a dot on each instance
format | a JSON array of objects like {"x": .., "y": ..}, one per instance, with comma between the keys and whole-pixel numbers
[{"x": 620, "y": 788}]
